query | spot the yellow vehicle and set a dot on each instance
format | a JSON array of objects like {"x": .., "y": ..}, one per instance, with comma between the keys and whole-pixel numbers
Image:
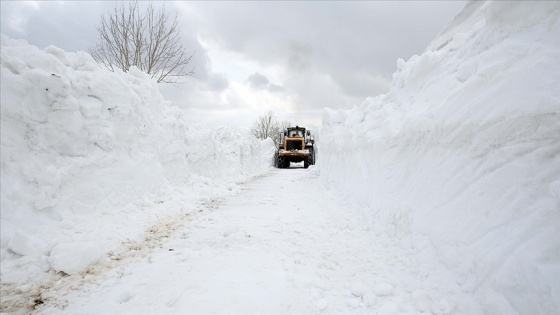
[{"x": 297, "y": 145}]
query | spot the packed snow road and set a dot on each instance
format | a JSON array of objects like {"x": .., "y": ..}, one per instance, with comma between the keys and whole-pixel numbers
[{"x": 283, "y": 245}]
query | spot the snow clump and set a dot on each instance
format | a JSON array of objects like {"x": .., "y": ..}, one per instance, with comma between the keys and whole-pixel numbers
[{"x": 93, "y": 158}]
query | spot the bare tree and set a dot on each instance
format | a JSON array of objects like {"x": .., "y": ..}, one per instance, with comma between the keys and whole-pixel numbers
[
  {"x": 148, "y": 40},
  {"x": 277, "y": 137},
  {"x": 266, "y": 126}
]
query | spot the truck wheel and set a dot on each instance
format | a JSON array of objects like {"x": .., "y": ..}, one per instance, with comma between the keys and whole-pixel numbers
[
  {"x": 281, "y": 162},
  {"x": 311, "y": 156},
  {"x": 305, "y": 163}
]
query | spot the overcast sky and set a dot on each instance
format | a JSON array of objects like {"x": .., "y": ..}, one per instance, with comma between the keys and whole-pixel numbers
[{"x": 293, "y": 58}]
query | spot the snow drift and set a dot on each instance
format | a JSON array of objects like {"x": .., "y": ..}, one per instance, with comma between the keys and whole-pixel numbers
[
  {"x": 462, "y": 155},
  {"x": 90, "y": 158}
]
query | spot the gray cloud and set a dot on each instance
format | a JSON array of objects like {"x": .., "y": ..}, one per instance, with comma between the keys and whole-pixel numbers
[
  {"x": 356, "y": 42},
  {"x": 67, "y": 25},
  {"x": 299, "y": 57},
  {"x": 217, "y": 82},
  {"x": 332, "y": 53},
  {"x": 71, "y": 25},
  {"x": 258, "y": 81}
]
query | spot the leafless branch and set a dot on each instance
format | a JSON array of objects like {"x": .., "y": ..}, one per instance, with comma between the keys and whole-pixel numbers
[
  {"x": 266, "y": 126},
  {"x": 149, "y": 40}
]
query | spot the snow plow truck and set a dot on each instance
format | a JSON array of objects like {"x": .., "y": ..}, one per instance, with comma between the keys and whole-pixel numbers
[{"x": 296, "y": 145}]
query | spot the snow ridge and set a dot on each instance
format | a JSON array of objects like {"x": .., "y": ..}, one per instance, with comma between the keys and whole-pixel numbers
[
  {"x": 92, "y": 158},
  {"x": 463, "y": 153}
]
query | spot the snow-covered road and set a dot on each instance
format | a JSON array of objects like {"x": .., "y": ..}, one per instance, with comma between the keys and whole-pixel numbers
[
  {"x": 283, "y": 245},
  {"x": 441, "y": 196}
]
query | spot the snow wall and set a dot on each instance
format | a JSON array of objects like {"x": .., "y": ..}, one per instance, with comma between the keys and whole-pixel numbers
[
  {"x": 462, "y": 155},
  {"x": 91, "y": 158}
]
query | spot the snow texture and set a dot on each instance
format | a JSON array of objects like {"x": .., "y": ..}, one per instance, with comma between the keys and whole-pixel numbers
[
  {"x": 440, "y": 197},
  {"x": 462, "y": 155},
  {"x": 91, "y": 158}
]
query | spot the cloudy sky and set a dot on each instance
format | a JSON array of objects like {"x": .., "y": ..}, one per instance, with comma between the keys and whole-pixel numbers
[{"x": 293, "y": 58}]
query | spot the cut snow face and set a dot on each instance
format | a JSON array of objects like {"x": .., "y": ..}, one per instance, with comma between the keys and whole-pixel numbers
[
  {"x": 450, "y": 187},
  {"x": 463, "y": 153},
  {"x": 92, "y": 158}
]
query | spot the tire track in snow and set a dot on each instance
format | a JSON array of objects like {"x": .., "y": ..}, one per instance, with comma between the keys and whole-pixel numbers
[
  {"x": 48, "y": 293},
  {"x": 51, "y": 293},
  {"x": 284, "y": 245},
  {"x": 290, "y": 243}
]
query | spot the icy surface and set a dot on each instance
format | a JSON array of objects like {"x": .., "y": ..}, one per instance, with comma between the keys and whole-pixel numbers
[{"x": 462, "y": 155}]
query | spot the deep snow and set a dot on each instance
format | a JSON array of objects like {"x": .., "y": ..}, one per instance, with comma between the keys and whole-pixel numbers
[
  {"x": 442, "y": 196},
  {"x": 267, "y": 251},
  {"x": 463, "y": 153},
  {"x": 91, "y": 159}
]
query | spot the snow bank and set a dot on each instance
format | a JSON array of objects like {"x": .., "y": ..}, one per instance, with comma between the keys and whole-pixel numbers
[
  {"x": 462, "y": 155},
  {"x": 91, "y": 158}
]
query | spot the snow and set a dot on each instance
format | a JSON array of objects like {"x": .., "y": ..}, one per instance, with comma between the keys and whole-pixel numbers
[
  {"x": 462, "y": 155},
  {"x": 264, "y": 251},
  {"x": 92, "y": 158},
  {"x": 440, "y": 197},
  {"x": 72, "y": 258}
]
